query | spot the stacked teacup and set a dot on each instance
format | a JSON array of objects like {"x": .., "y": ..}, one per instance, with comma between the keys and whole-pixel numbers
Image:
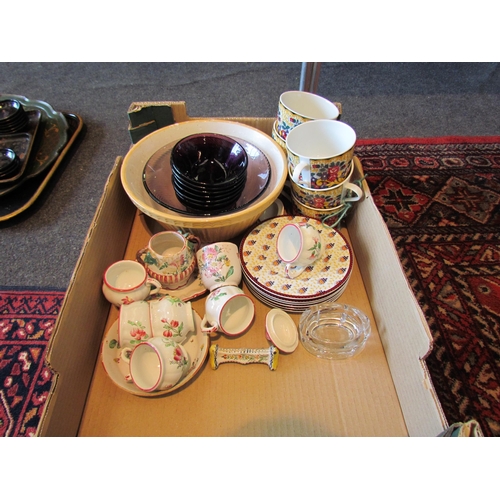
[
  {"x": 228, "y": 309},
  {"x": 320, "y": 152}
]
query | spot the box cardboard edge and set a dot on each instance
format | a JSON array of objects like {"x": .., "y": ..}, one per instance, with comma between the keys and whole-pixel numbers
[
  {"x": 77, "y": 336},
  {"x": 406, "y": 337}
]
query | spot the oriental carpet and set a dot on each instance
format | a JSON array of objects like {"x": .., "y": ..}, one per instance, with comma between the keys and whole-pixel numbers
[
  {"x": 440, "y": 199},
  {"x": 27, "y": 320}
]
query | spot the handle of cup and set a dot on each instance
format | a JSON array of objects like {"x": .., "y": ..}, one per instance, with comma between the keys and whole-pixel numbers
[
  {"x": 293, "y": 271},
  {"x": 125, "y": 357},
  {"x": 125, "y": 354},
  {"x": 194, "y": 240},
  {"x": 155, "y": 286},
  {"x": 139, "y": 255},
  {"x": 207, "y": 327},
  {"x": 355, "y": 189},
  {"x": 298, "y": 170}
]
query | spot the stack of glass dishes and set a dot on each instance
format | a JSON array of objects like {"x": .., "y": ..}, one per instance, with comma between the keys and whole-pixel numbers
[
  {"x": 209, "y": 171},
  {"x": 264, "y": 272},
  {"x": 203, "y": 183}
]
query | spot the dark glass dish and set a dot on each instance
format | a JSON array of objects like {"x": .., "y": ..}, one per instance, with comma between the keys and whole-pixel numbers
[
  {"x": 209, "y": 160},
  {"x": 158, "y": 180}
]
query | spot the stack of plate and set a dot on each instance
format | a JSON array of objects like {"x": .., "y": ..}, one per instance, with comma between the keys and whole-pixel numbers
[{"x": 264, "y": 273}]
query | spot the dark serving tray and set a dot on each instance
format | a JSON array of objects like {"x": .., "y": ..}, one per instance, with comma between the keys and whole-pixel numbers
[{"x": 18, "y": 201}]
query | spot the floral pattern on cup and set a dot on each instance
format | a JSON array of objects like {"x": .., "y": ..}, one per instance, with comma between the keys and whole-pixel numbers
[
  {"x": 179, "y": 359},
  {"x": 181, "y": 264},
  {"x": 227, "y": 310},
  {"x": 287, "y": 121},
  {"x": 219, "y": 265},
  {"x": 323, "y": 174},
  {"x": 171, "y": 318},
  {"x": 138, "y": 332},
  {"x": 315, "y": 249},
  {"x": 296, "y": 107},
  {"x": 333, "y": 175},
  {"x": 320, "y": 153},
  {"x": 329, "y": 197},
  {"x": 170, "y": 258}
]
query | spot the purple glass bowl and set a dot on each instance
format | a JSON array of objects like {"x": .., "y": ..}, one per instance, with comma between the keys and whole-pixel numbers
[{"x": 209, "y": 160}]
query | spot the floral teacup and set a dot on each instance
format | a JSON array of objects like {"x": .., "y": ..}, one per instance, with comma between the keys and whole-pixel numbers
[
  {"x": 299, "y": 246},
  {"x": 228, "y": 310},
  {"x": 171, "y": 318},
  {"x": 156, "y": 364},
  {"x": 219, "y": 265},
  {"x": 134, "y": 325},
  {"x": 170, "y": 258},
  {"x": 126, "y": 281}
]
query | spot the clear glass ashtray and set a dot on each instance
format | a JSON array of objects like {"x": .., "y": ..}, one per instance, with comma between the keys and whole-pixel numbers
[{"x": 334, "y": 331}]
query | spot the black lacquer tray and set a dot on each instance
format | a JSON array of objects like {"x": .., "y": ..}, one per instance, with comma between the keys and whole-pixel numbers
[{"x": 23, "y": 197}]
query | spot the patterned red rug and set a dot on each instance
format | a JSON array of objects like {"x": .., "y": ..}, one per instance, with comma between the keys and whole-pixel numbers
[
  {"x": 27, "y": 319},
  {"x": 440, "y": 199}
]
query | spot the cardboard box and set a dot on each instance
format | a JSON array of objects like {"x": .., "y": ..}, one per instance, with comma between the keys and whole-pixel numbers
[{"x": 385, "y": 391}]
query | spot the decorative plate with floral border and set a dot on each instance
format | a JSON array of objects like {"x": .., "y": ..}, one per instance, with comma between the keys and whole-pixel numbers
[
  {"x": 196, "y": 346},
  {"x": 265, "y": 271}
]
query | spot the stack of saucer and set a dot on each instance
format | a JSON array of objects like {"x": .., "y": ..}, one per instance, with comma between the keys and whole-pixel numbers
[{"x": 264, "y": 272}]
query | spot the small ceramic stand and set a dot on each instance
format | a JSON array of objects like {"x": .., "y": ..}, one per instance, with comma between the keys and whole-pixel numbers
[{"x": 267, "y": 356}]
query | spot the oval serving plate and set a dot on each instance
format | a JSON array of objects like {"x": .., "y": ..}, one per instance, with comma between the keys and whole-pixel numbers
[
  {"x": 196, "y": 346},
  {"x": 51, "y": 137}
]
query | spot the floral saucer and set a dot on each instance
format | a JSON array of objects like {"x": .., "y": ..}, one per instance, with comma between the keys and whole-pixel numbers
[
  {"x": 195, "y": 345},
  {"x": 264, "y": 271}
]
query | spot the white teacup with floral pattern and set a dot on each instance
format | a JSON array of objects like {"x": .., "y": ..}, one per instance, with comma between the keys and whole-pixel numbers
[
  {"x": 171, "y": 318},
  {"x": 299, "y": 246},
  {"x": 219, "y": 265},
  {"x": 126, "y": 281},
  {"x": 228, "y": 310},
  {"x": 156, "y": 364},
  {"x": 320, "y": 153},
  {"x": 170, "y": 258},
  {"x": 296, "y": 107},
  {"x": 134, "y": 324},
  {"x": 328, "y": 198}
]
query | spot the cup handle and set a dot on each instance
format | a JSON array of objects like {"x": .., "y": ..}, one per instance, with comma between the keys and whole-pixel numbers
[
  {"x": 155, "y": 285},
  {"x": 125, "y": 354},
  {"x": 194, "y": 240},
  {"x": 355, "y": 189},
  {"x": 139, "y": 255},
  {"x": 297, "y": 171},
  {"x": 293, "y": 271},
  {"x": 125, "y": 357},
  {"x": 207, "y": 327}
]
